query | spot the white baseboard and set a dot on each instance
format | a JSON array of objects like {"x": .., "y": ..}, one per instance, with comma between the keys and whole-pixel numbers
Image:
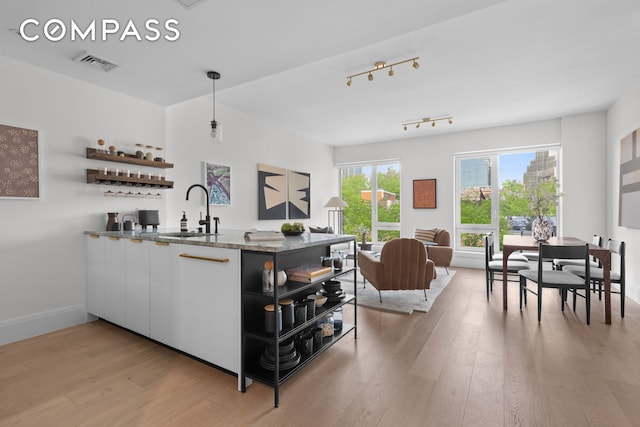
[{"x": 24, "y": 327}]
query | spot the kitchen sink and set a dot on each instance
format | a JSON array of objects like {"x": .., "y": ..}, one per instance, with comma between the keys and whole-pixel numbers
[{"x": 182, "y": 234}]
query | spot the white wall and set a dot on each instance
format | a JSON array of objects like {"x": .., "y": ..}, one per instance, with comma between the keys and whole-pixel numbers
[
  {"x": 246, "y": 141},
  {"x": 42, "y": 248},
  {"x": 583, "y": 147},
  {"x": 623, "y": 118}
]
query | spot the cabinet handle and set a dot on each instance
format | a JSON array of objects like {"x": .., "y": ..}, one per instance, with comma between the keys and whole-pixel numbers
[
  {"x": 162, "y": 243},
  {"x": 135, "y": 240},
  {"x": 113, "y": 238},
  {"x": 94, "y": 236},
  {"x": 221, "y": 260}
]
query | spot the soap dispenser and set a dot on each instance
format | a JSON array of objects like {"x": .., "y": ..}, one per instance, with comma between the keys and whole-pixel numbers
[{"x": 183, "y": 222}]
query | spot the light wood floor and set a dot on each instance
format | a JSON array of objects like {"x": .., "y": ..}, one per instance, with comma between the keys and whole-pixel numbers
[{"x": 465, "y": 363}]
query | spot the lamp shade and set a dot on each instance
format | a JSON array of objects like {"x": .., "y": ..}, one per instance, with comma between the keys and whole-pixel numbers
[{"x": 336, "y": 202}]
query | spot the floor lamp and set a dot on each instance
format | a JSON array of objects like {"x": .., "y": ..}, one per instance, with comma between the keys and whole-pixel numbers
[{"x": 334, "y": 216}]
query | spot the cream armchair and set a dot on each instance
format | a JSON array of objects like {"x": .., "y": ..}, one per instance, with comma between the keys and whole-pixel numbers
[{"x": 402, "y": 265}]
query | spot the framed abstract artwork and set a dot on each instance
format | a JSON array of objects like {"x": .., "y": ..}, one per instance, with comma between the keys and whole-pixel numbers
[
  {"x": 424, "y": 194},
  {"x": 272, "y": 192},
  {"x": 299, "y": 194},
  {"x": 218, "y": 182},
  {"x": 19, "y": 163}
]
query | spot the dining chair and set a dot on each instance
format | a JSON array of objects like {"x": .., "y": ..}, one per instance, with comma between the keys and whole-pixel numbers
[
  {"x": 559, "y": 263},
  {"x": 562, "y": 280},
  {"x": 493, "y": 263},
  {"x": 617, "y": 276}
]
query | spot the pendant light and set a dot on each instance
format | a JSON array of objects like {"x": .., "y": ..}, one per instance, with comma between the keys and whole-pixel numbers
[{"x": 214, "y": 75}]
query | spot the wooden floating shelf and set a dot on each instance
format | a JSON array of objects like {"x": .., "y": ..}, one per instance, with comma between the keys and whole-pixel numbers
[
  {"x": 131, "y": 159},
  {"x": 95, "y": 176}
]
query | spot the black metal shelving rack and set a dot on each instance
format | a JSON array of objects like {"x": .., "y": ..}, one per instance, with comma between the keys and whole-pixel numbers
[{"x": 255, "y": 339}]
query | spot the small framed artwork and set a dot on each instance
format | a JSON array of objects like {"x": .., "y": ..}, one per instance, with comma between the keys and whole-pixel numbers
[
  {"x": 19, "y": 163},
  {"x": 424, "y": 193},
  {"x": 218, "y": 182}
]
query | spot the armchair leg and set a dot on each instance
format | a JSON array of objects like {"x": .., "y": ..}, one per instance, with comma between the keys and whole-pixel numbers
[
  {"x": 380, "y": 295},
  {"x": 447, "y": 270},
  {"x": 425, "y": 294}
]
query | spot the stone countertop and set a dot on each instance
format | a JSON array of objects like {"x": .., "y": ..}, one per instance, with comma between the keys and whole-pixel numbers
[{"x": 233, "y": 239}]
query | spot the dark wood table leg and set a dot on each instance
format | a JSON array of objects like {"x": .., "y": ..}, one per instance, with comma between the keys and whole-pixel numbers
[
  {"x": 606, "y": 276},
  {"x": 506, "y": 251}
]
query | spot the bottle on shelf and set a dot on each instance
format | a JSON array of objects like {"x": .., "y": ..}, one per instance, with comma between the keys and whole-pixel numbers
[
  {"x": 328, "y": 325},
  {"x": 337, "y": 319},
  {"x": 267, "y": 283}
]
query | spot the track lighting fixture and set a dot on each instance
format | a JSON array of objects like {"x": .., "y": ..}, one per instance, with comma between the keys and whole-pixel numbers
[
  {"x": 431, "y": 120},
  {"x": 381, "y": 65},
  {"x": 215, "y": 126}
]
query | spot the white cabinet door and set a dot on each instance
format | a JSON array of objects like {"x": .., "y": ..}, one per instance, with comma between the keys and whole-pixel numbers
[
  {"x": 95, "y": 275},
  {"x": 115, "y": 289},
  {"x": 208, "y": 305},
  {"x": 136, "y": 268},
  {"x": 163, "y": 283}
]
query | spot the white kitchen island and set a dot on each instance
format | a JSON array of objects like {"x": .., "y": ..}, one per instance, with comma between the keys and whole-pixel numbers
[{"x": 187, "y": 292}]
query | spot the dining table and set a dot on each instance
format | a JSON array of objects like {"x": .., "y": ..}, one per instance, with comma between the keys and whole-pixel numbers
[{"x": 514, "y": 242}]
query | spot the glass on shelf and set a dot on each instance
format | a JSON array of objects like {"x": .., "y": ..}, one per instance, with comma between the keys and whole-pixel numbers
[
  {"x": 140, "y": 151},
  {"x": 159, "y": 154},
  {"x": 100, "y": 148},
  {"x": 149, "y": 152}
]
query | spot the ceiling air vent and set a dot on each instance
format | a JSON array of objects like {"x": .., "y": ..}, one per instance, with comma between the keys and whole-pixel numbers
[
  {"x": 96, "y": 61},
  {"x": 190, "y": 3}
]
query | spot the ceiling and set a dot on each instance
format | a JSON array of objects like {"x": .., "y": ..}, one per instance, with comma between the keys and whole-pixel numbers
[{"x": 485, "y": 62}]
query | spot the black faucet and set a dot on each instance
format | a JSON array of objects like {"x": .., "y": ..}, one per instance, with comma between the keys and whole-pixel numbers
[
  {"x": 216, "y": 220},
  {"x": 207, "y": 219}
]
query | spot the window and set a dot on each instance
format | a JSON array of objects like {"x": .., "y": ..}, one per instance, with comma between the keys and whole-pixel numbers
[
  {"x": 372, "y": 192},
  {"x": 491, "y": 192}
]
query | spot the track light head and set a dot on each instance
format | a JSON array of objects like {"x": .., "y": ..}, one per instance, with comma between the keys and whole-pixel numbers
[
  {"x": 450, "y": 121},
  {"x": 433, "y": 124},
  {"x": 349, "y": 81},
  {"x": 415, "y": 64},
  {"x": 370, "y": 76},
  {"x": 404, "y": 127},
  {"x": 391, "y": 73}
]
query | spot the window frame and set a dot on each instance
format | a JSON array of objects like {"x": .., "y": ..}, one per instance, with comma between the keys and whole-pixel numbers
[
  {"x": 494, "y": 226},
  {"x": 376, "y": 225}
]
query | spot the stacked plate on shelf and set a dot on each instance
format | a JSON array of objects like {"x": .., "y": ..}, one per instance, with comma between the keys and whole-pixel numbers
[
  {"x": 333, "y": 291},
  {"x": 289, "y": 356}
]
